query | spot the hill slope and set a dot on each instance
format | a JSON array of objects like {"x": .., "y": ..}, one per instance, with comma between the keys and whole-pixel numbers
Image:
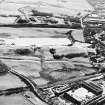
[{"x": 70, "y": 7}]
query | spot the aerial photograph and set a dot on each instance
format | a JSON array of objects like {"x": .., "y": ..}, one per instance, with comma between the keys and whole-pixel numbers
[{"x": 52, "y": 52}]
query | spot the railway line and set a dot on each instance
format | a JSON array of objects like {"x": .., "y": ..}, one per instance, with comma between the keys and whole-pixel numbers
[{"x": 30, "y": 86}]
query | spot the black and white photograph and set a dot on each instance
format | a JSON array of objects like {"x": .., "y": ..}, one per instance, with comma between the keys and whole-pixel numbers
[{"x": 52, "y": 52}]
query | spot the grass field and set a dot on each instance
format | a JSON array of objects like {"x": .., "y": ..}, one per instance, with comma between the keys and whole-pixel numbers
[{"x": 30, "y": 65}]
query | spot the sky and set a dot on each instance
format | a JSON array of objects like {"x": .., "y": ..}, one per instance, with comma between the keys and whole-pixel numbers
[{"x": 54, "y": 6}]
